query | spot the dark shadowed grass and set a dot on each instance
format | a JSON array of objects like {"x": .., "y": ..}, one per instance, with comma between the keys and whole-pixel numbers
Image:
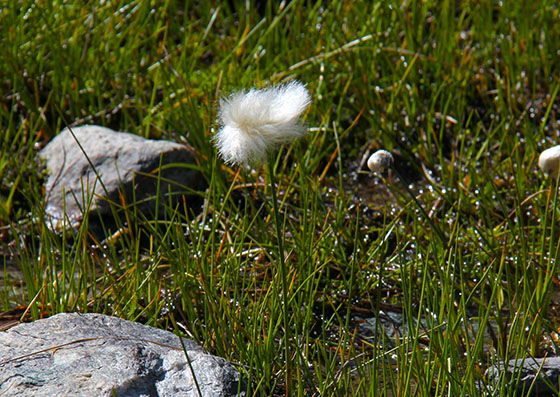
[{"x": 461, "y": 240}]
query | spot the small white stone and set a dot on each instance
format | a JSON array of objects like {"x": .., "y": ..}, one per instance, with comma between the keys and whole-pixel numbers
[
  {"x": 549, "y": 160},
  {"x": 380, "y": 161}
]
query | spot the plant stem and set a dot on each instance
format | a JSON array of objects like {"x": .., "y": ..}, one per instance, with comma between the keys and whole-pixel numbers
[{"x": 283, "y": 272}]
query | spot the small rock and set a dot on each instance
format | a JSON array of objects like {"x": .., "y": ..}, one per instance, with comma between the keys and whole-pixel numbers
[
  {"x": 97, "y": 355},
  {"x": 534, "y": 374},
  {"x": 122, "y": 162}
]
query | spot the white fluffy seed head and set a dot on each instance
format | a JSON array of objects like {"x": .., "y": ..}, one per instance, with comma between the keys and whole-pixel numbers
[
  {"x": 256, "y": 122},
  {"x": 549, "y": 161},
  {"x": 380, "y": 161}
]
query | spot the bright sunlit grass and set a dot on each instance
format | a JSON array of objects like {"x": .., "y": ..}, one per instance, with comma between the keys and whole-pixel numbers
[{"x": 287, "y": 264}]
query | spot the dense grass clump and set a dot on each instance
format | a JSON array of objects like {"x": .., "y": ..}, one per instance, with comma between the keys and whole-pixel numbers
[{"x": 459, "y": 242}]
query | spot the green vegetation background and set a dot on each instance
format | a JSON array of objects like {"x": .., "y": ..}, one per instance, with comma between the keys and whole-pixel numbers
[{"x": 461, "y": 240}]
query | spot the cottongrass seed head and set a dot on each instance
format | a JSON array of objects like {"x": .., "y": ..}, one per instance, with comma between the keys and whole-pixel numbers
[
  {"x": 380, "y": 161},
  {"x": 549, "y": 161},
  {"x": 256, "y": 122}
]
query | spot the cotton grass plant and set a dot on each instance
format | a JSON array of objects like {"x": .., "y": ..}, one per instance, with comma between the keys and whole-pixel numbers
[{"x": 253, "y": 125}]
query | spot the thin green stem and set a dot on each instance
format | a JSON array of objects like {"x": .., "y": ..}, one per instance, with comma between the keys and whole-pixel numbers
[{"x": 283, "y": 272}]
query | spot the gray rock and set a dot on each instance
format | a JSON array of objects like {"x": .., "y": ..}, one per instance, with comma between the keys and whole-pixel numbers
[
  {"x": 528, "y": 377},
  {"x": 121, "y": 161},
  {"x": 98, "y": 355}
]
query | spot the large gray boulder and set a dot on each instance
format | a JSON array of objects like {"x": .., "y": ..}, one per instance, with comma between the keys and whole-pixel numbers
[
  {"x": 124, "y": 165},
  {"x": 98, "y": 355}
]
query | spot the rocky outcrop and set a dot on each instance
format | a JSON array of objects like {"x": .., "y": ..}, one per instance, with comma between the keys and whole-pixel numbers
[
  {"x": 98, "y": 355},
  {"x": 90, "y": 167}
]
